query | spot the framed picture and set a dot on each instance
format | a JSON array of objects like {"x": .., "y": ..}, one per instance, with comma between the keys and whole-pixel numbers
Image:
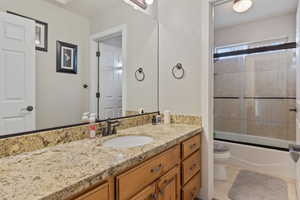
[
  {"x": 66, "y": 57},
  {"x": 41, "y": 33}
]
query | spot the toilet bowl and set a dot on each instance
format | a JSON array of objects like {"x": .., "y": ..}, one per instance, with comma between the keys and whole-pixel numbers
[{"x": 221, "y": 155}]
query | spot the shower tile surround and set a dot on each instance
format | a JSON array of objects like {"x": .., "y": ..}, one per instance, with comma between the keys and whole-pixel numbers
[
  {"x": 260, "y": 75},
  {"x": 32, "y": 142}
]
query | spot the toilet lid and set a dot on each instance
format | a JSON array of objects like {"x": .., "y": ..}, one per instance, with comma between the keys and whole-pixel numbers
[{"x": 220, "y": 148}]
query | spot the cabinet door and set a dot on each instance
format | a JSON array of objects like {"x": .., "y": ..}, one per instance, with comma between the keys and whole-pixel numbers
[
  {"x": 169, "y": 185},
  {"x": 149, "y": 193}
]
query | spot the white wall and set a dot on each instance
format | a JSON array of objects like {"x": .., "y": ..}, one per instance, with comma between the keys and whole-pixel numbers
[
  {"x": 207, "y": 71},
  {"x": 60, "y": 97},
  {"x": 141, "y": 51},
  {"x": 270, "y": 28},
  {"x": 180, "y": 41},
  {"x": 185, "y": 37}
]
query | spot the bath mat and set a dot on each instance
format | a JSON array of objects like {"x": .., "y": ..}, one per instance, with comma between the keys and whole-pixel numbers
[{"x": 254, "y": 186}]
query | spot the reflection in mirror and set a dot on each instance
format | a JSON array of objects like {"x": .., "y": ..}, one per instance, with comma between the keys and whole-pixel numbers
[{"x": 62, "y": 60}]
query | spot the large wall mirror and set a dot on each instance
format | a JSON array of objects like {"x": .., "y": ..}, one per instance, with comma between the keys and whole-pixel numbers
[{"x": 63, "y": 59}]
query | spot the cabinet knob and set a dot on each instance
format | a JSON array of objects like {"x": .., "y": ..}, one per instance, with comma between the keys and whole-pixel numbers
[
  {"x": 193, "y": 166},
  {"x": 193, "y": 146},
  {"x": 157, "y": 169},
  {"x": 153, "y": 196}
]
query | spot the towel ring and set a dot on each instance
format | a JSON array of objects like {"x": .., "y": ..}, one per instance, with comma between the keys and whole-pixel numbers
[
  {"x": 178, "y": 67},
  {"x": 140, "y": 71}
]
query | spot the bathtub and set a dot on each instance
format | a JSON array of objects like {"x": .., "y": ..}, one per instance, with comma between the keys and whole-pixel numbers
[{"x": 265, "y": 160}]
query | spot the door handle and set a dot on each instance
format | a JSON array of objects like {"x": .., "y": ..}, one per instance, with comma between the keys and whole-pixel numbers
[
  {"x": 29, "y": 108},
  {"x": 294, "y": 152},
  {"x": 293, "y": 110}
]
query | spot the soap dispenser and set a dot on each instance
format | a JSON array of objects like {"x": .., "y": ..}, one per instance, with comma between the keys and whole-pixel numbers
[{"x": 93, "y": 126}]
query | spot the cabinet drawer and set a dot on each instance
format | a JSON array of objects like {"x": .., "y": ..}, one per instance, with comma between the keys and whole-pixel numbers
[
  {"x": 190, "y": 146},
  {"x": 191, "y": 189},
  {"x": 101, "y": 192},
  {"x": 136, "y": 179},
  {"x": 191, "y": 166}
]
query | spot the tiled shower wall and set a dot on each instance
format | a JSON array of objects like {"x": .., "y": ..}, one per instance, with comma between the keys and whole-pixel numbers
[{"x": 254, "y": 95}]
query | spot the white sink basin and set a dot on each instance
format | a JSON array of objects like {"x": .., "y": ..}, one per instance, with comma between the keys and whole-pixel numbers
[{"x": 127, "y": 141}]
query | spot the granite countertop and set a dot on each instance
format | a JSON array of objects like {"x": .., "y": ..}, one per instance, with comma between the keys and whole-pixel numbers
[{"x": 59, "y": 172}]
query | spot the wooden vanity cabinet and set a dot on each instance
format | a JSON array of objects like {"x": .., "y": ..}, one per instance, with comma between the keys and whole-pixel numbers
[{"x": 171, "y": 175}]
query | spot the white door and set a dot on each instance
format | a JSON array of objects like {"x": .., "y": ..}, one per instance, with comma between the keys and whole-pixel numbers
[
  {"x": 110, "y": 81},
  {"x": 17, "y": 74},
  {"x": 298, "y": 96}
]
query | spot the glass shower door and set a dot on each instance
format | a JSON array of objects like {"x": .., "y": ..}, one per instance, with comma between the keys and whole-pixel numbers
[
  {"x": 228, "y": 92},
  {"x": 255, "y": 98},
  {"x": 270, "y": 98}
]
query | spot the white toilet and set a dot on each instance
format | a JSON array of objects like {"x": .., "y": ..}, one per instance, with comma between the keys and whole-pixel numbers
[{"x": 221, "y": 155}]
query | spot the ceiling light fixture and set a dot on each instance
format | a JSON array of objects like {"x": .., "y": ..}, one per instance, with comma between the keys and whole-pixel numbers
[
  {"x": 241, "y": 6},
  {"x": 149, "y": 2}
]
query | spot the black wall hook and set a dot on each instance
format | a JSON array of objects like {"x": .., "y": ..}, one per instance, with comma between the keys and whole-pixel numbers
[
  {"x": 140, "y": 71},
  {"x": 178, "y": 67}
]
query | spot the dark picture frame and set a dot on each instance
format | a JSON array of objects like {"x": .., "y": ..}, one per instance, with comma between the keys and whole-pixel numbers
[
  {"x": 41, "y": 32},
  {"x": 66, "y": 57}
]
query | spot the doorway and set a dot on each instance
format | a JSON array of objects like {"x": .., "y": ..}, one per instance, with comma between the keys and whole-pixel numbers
[
  {"x": 107, "y": 71},
  {"x": 111, "y": 74}
]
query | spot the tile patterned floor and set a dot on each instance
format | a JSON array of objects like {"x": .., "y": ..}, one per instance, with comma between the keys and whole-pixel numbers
[{"x": 222, "y": 188}]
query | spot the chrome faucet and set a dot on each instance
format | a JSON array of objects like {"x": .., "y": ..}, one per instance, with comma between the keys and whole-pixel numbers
[{"x": 111, "y": 127}]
